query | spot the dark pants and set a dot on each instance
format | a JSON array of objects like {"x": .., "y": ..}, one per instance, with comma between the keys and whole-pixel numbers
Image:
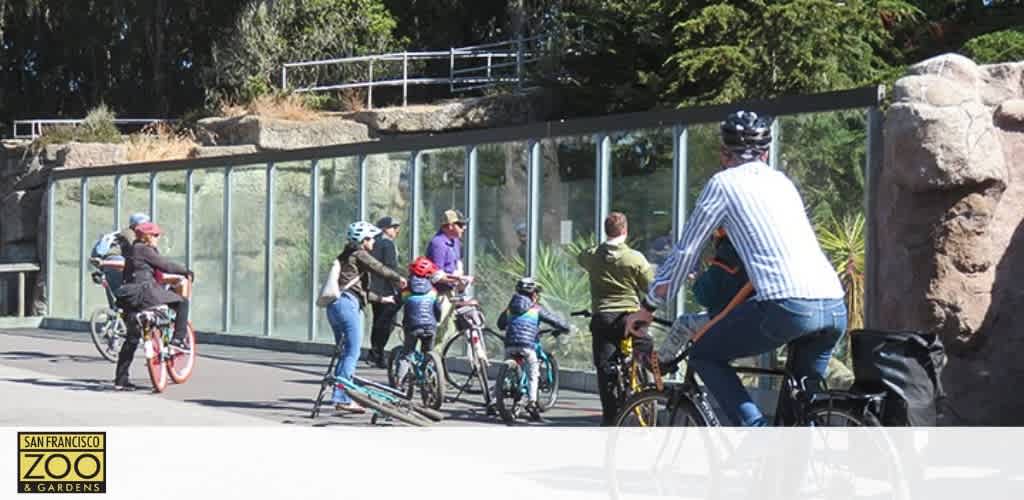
[
  {"x": 133, "y": 335},
  {"x": 383, "y": 323},
  {"x": 425, "y": 338},
  {"x": 607, "y": 330}
]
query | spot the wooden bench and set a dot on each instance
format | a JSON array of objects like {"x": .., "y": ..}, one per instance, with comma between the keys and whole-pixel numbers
[{"x": 21, "y": 268}]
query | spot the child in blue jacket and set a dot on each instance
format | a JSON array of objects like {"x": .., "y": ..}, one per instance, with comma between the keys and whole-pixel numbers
[{"x": 521, "y": 322}]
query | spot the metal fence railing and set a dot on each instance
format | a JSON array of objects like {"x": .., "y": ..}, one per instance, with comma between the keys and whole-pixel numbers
[
  {"x": 35, "y": 127},
  {"x": 468, "y": 68}
]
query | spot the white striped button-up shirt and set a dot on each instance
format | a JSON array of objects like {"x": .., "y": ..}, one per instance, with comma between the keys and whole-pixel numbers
[{"x": 765, "y": 218}]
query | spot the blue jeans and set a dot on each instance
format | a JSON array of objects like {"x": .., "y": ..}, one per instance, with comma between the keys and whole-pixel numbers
[
  {"x": 346, "y": 319},
  {"x": 757, "y": 327}
]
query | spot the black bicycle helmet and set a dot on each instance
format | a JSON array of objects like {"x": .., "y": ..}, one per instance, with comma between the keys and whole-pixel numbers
[
  {"x": 527, "y": 286},
  {"x": 746, "y": 133}
]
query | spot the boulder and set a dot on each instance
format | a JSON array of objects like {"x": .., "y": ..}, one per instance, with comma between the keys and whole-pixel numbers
[
  {"x": 949, "y": 210},
  {"x": 483, "y": 112},
  {"x": 19, "y": 216},
  {"x": 82, "y": 154},
  {"x": 215, "y": 151},
  {"x": 276, "y": 134}
]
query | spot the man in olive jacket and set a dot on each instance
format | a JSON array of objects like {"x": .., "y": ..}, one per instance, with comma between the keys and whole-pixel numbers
[{"x": 619, "y": 277}]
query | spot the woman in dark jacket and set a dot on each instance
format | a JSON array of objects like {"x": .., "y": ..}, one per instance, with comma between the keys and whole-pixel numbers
[
  {"x": 142, "y": 290},
  {"x": 346, "y": 313}
]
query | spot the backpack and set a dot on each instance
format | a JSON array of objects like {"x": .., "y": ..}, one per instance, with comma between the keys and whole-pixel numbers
[
  {"x": 904, "y": 365},
  {"x": 723, "y": 278}
]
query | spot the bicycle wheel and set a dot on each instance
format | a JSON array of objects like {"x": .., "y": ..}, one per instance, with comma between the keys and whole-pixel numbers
[
  {"x": 432, "y": 385},
  {"x": 386, "y": 408},
  {"x": 156, "y": 365},
  {"x": 461, "y": 367},
  {"x": 181, "y": 364},
  {"x": 651, "y": 408},
  {"x": 547, "y": 386},
  {"x": 839, "y": 414},
  {"x": 510, "y": 395},
  {"x": 394, "y": 356},
  {"x": 108, "y": 332}
]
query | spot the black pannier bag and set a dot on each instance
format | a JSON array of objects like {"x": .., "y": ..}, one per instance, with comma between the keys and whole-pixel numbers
[{"x": 906, "y": 366}]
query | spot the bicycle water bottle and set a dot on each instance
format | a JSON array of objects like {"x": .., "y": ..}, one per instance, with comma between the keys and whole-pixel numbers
[{"x": 683, "y": 329}]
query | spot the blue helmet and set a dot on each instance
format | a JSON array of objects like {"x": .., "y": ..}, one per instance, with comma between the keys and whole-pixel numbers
[{"x": 136, "y": 219}]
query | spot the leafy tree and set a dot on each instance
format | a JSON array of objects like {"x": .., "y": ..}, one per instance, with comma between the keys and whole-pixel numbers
[
  {"x": 269, "y": 33},
  {"x": 757, "y": 49},
  {"x": 997, "y": 47}
]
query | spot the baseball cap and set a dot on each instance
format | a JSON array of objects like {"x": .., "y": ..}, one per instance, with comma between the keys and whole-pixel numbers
[
  {"x": 388, "y": 221},
  {"x": 453, "y": 217},
  {"x": 148, "y": 228}
]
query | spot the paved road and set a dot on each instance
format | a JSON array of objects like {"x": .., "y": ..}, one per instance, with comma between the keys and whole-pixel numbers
[{"x": 52, "y": 377}]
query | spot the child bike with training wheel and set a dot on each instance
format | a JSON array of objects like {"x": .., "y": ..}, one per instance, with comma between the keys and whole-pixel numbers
[
  {"x": 521, "y": 322},
  {"x": 421, "y": 310}
]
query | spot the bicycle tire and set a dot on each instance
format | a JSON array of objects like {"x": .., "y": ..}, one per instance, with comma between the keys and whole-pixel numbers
[
  {"x": 388, "y": 409},
  {"x": 325, "y": 385},
  {"x": 156, "y": 366},
  {"x": 827, "y": 410},
  {"x": 636, "y": 412},
  {"x": 101, "y": 329},
  {"x": 465, "y": 381},
  {"x": 551, "y": 389},
  {"x": 393, "y": 357},
  {"x": 432, "y": 386},
  {"x": 180, "y": 366},
  {"x": 509, "y": 411}
]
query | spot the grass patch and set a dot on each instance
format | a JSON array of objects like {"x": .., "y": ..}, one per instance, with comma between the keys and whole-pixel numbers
[
  {"x": 160, "y": 141},
  {"x": 284, "y": 107}
]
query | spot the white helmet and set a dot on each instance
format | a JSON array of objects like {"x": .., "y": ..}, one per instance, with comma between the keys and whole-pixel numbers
[{"x": 359, "y": 231}]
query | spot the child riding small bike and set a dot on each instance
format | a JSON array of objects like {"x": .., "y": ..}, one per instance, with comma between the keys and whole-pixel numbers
[
  {"x": 521, "y": 321},
  {"x": 421, "y": 310}
]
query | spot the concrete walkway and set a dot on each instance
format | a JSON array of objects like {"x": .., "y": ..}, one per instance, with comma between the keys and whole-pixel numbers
[{"x": 50, "y": 377}]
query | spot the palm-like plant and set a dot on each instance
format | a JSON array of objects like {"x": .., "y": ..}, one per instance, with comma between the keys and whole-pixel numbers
[{"x": 843, "y": 241}]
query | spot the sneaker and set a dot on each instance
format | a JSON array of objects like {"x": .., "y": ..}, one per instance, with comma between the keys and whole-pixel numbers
[
  {"x": 181, "y": 344},
  {"x": 126, "y": 387},
  {"x": 533, "y": 411},
  {"x": 351, "y": 407}
]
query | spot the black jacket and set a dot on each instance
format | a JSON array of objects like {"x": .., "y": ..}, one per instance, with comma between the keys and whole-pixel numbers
[
  {"x": 356, "y": 262},
  {"x": 140, "y": 289},
  {"x": 385, "y": 252}
]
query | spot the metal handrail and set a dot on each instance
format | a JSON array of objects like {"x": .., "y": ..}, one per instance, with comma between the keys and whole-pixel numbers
[
  {"x": 487, "y": 74},
  {"x": 36, "y": 126}
]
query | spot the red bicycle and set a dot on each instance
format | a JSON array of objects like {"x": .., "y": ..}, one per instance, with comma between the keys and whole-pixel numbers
[{"x": 164, "y": 360}]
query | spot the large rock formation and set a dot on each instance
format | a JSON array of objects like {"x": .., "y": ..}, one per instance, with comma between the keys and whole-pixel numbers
[{"x": 949, "y": 214}]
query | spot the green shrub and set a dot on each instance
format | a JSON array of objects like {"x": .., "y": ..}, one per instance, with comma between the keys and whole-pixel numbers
[
  {"x": 98, "y": 126},
  {"x": 996, "y": 47}
]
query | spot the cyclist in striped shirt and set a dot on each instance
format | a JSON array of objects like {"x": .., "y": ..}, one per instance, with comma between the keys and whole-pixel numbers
[{"x": 799, "y": 299}]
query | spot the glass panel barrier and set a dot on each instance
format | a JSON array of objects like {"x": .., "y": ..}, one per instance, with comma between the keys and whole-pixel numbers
[
  {"x": 291, "y": 250},
  {"x": 207, "y": 310},
  {"x": 67, "y": 233},
  {"x": 248, "y": 218},
  {"x": 99, "y": 221}
]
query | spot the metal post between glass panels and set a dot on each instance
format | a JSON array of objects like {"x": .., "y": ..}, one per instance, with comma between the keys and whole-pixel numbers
[
  {"x": 416, "y": 178},
  {"x": 680, "y": 150},
  {"x": 472, "y": 169},
  {"x": 268, "y": 254},
  {"x": 152, "y": 196},
  {"x": 361, "y": 165},
  {"x": 51, "y": 259},
  {"x": 602, "y": 182},
  {"x": 226, "y": 292},
  {"x": 82, "y": 257},
  {"x": 773, "y": 155},
  {"x": 533, "y": 205},
  {"x": 314, "y": 245},
  {"x": 189, "y": 200},
  {"x": 117, "y": 201}
]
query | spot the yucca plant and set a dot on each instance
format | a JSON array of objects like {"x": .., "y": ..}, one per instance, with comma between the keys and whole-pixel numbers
[{"x": 843, "y": 240}]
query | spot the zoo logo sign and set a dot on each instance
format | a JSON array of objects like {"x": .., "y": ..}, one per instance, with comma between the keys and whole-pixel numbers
[{"x": 62, "y": 462}]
